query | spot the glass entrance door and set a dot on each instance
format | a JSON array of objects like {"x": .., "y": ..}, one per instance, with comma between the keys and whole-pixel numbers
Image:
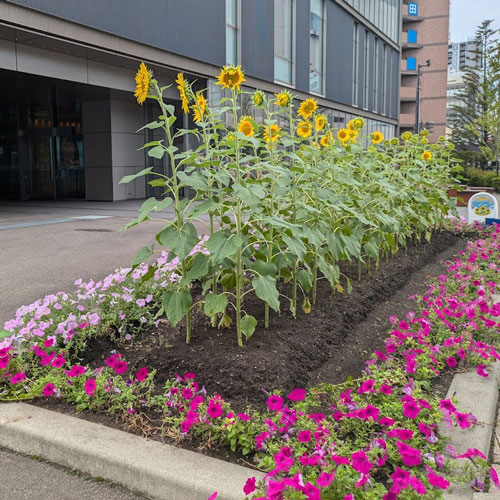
[
  {"x": 70, "y": 182},
  {"x": 41, "y": 166}
]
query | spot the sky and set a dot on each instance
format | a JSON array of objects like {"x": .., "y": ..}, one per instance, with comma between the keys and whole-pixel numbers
[{"x": 466, "y": 15}]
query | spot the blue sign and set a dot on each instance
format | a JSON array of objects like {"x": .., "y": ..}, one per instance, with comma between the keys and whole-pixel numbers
[
  {"x": 412, "y": 8},
  {"x": 412, "y": 36},
  {"x": 411, "y": 63}
]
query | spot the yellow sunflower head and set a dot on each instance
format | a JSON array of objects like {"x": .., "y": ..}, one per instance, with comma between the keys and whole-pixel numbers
[
  {"x": 231, "y": 77},
  {"x": 283, "y": 99},
  {"x": 377, "y": 137},
  {"x": 200, "y": 107},
  {"x": 441, "y": 138},
  {"x": 326, "y": 140},
  {"x": 394, "y": 141},
  {"x": 424, "y": 141},
  {"x": 406, "y": 136},
  {"x": 350, "y": 125},
  {"x": 320, "y": 122},
  {"x": 343, "y": 135},
  {"x": 183, "y": 87},
  {"x": 271, "y": 133},
  {"x": 426, "y": 155},
  {"x": 353, "y": 135},
  {"x": 142, "y": 83},
  {"x": 450, "y": 146},
  {"x": 359, "y": 123},
  {"x": 304, "y": 129},
  {"x": 258, "y": 98},
  {"x": 307, "y": 108},
  {"x": 424, "y": 132},
  {"x": 245, "y": 126}
]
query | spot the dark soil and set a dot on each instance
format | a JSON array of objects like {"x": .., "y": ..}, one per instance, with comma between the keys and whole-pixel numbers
[{"x": 327, "y": 345}]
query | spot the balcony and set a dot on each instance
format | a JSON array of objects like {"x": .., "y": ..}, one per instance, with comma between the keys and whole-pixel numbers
[
  {"x": 410, "y": 18},
  {"x": 405, "y": 70},
  {"x": 408, "y": 94},
  {"x": 409, "y": 40},
  {"x": 407, "y": 120}
]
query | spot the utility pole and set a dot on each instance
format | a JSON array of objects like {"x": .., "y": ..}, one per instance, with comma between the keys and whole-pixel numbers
[{"x": 417, "y": 114}]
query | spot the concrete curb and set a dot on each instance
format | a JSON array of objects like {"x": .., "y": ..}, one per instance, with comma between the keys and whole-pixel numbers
[
  {"x": 160, "y": 471},
  {"x": 480, "y": 396}
]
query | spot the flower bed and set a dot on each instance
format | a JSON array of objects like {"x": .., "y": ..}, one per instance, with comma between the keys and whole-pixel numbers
[{"x": 370, "y": 437}]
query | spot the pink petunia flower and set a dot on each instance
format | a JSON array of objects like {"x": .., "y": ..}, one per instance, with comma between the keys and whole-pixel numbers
[
  {"x": 120, "y": 366},
  {"x": 59, "y": 361},
  {"x": 325, "y": 479},
  {"x": 494, "y": 477},
  {"x": 48, "y": 390},
  {"x": 360, "y": 462},
  {"x": 274, "y": 402},
  {"x": 249, "y": 486},
  {"x": 297, "y": 395},
  {"x": 142, "y": 374},
  {"x": 90, "y": 387},
  {"x": 18, "y": 377},
  {"x": 481, "y": 371},
  {"x": 214, "y": 409},
  {"x": 304, "y": 436}
]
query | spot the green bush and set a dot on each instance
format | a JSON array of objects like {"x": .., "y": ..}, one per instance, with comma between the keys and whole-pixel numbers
[{"x": 477, "y": 177}]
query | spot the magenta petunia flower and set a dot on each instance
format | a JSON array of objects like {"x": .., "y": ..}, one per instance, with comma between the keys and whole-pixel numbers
[
  {"x": 214, "y": 409},
  {"x": 325, "y": 479},
  {"x": 385, "y": 389},
  {"x": 447, "y": 405},
  {"x": 90, "y": 387},
  {"x": 4, "y": 362},
  {"x": 462, "y": 420},
  {"x": 76, "y": 371},
  {"x": 142, "y": 374},
  {"x": 48, "y": 390},
  {"x": 304, "y": 436},
  {"x": 481, "y": 370},
  {"x": 411, "y": 409},
  {"x": 59, "y": 361},
  {"x": 274, "y": 402},
  {"x": 435, "y": 480},
  {"x": 360, "y": 462},
  {"x": 249, "y": 486},
  {"x": 189, "y": 376},
  {"x": 366, "y": 386},
  {"x": 120, "y": 366},
  {"x": 410, "y": 456},
  {"x": 243, "y": 417},
  {"x": 451, "y": 362},
  {"x": 297, "y": 395},
  {"x": 187, "y": 393},
  {"x": 18, "y": 377},
  {"x": 213, "y": 496},
  {"x": 494, "y": 477}
]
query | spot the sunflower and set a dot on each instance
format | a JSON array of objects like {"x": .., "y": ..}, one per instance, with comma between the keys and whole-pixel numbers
[
  {"x": 231, "y": 77},
  {"x": 304, "y": 129},
  {"x": 394, "y": 141},
  {"x": 200, "y": 107},
  {"x": 377, "y": 137},
  {"x": 271, "y": 133},
  {"x": 450, "y": 146},
  {"x": 283, "y": 99},
  {"x": 326, "y": 139},
  {"x": 245, "y": 126},
  {"x": 424, "y": 141},
  {"x": 143, "y": 82},
  {"x": 183, "y": 87},
  {"x": 320, "y": 122},
  {"x": 343, "y": 135},
  {"x": 350, "y": 125},
  {"x": 406, "y": 136},
  {"x": 258, "y": 98},
  {"x": 426, "y": 155},
  {"x": 359, "y": 123},
  {"x": 307, "y": 108},
  {"x": 353, "y": 135},
  {"x": 424, "y": 132}
]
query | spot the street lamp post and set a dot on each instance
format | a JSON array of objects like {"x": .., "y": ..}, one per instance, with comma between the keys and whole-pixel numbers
[{"x": 417, "y": 117}]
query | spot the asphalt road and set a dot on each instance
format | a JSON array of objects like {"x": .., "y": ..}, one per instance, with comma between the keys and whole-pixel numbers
[{"x": 24, "y": 478}]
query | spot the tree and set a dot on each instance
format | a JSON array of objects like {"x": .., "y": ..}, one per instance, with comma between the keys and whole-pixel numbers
[{"x": 475, "y": 127}]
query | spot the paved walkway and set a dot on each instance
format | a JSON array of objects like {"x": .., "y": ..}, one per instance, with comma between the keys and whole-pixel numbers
[{"x": 46, "y": 246}]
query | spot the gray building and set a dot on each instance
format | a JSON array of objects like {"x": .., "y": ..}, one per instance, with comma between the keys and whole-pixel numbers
[
  {"x": 461, "y": 55},
  {"x": 67, "y": 113}
]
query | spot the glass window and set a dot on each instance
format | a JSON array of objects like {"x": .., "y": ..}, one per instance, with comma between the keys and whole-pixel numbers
[
  {"x": 232, "y": 32},
  {"x": 283, "y": 41},
  {"x": 375, "y": 85},
  {"x": 316, "y": 46},
  {"x": 384, "y": 79},
  {"x": 355, "y": 64},
  {"x": 366, "y": 69}
]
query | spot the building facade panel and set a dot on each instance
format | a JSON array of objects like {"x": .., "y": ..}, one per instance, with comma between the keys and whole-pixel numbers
[
  {"x": 302, "y": 53},
  {"x": 193, "y": 28},
  {"x": 257, "y": 38}
]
